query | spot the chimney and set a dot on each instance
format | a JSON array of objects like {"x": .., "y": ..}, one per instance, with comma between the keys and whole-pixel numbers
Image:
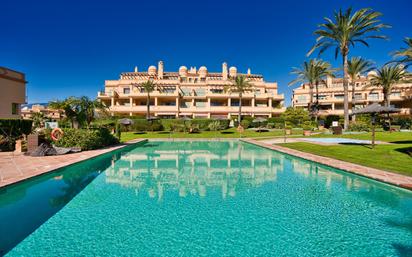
[
  {"x": 135, "y": 69},
  {"x": 160, "y": 70},
  {"x": 224, "y": 71},
  {"x": 329, "y": 81}
]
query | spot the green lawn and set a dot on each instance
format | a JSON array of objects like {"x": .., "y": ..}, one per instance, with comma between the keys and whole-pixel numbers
[
  {"x": 229, "y": 133},
  {"x": 396, "y": 157}
]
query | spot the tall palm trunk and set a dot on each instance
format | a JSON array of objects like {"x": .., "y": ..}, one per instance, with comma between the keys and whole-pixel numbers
[
  {"x": 317, "y": 101},
  {"x": 240, "y": 108},
  {"x": 310, "y": 99},
  {"x": 345, "y": 89},
  {"x": 148, "y": 105},
  {"x": 353, "y": 99}
]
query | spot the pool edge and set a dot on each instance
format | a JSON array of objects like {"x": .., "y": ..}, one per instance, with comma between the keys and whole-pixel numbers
[
  {"x": 386, "y": 177},
  {"x": 98, "y": 152}
]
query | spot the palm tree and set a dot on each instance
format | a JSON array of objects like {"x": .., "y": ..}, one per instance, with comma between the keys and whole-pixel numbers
[
  {"x": 312, "y": 72},
  {"x": 387, "y": 77},
  {"x": 72, "y": 110},
  {"x": 89, "y": 108},
  {"x": 80, "y": 110},
  {"x": 346, "y": 30},
  {"x": 38, "y": 119},
  {"x": 405, "y": 53},
  {"x": 239, "y": 85},
  {"x": 149, "y": 87},
  {"x": 356, "y": 67}
]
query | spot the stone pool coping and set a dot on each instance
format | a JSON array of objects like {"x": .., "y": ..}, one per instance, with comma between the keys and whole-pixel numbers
[
  {"x": 372, "y": 173},
  {"x": 15, "y": 168}
]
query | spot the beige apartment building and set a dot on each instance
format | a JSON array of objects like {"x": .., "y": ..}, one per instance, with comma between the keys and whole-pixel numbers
[
  {"x": 331, "y": 96},
  {"x": 190, "y": 92},
  {"x": 13, "y": 92},
  {"x": 51, "y": 114}
]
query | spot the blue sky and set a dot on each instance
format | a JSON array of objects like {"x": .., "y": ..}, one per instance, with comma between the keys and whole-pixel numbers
[{"x": 70, "y": 47}]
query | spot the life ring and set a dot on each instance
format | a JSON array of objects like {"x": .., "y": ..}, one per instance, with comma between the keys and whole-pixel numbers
[{"x": 56, "y": 134}]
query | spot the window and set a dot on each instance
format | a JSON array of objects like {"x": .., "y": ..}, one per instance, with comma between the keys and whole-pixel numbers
[
  {"x": 358, "y": 96},
  {"x": 396, "y": 94},
  {"x": 14, "y": 108},
  {"x": 216, "y": 91},
  {"x": 200, "y": 104},
  {"x": 126, "y": 90},
  {"x": 322, "y": 97},
  {"x": 373, "y": 96},
  {"x": 301, "y": 99},
  {"x": 338, "y": 96}
]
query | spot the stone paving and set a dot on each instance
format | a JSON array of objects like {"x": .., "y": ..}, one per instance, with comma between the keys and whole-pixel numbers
[
  {"x": 17, "y": 167},
  {"x": 380, "y": 175}
]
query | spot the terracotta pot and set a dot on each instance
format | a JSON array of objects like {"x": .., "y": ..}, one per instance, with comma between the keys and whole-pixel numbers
[{"x": 307, "y": 133}]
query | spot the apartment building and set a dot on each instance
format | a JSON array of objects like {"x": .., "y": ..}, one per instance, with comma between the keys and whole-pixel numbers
[
  {"x": 190, "y": 92},
  {"x": 331, "y": 96},
  {"x": 27, "y": 112},
  {"x": 13, "y": 92}
]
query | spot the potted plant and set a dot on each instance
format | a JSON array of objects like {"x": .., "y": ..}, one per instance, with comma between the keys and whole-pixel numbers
[{"x": 307, "y": 128}]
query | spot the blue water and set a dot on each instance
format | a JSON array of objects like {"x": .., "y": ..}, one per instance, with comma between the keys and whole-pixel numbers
[
  {"x": 207, "y": 198},
  {"x": 336, "y": 140}
]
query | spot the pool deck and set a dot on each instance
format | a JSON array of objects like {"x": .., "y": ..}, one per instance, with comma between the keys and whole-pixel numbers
[
  {"x": 380, "y": 175},
  {"x": 18, "y": 167}
]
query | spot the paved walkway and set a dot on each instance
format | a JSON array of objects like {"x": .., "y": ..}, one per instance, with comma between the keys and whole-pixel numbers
[
  {"x": 18, "y": 167},
  {"x": 380, "y": 175}
]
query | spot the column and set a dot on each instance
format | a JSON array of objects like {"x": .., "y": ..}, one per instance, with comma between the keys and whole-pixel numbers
[
  {"x": 112, "y": 102},
  {"x": 270, "y": 103}
]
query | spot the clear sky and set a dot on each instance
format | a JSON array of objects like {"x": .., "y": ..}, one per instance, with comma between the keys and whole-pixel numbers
[{"x": 70, "y": 47}]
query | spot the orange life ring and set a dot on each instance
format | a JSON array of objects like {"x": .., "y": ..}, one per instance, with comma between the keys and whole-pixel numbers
[{"x": 56, "y": 134}]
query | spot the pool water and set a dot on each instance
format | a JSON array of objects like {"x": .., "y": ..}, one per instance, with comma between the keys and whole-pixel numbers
[
  {"x": 197, "y": 198},
  {"x": 337, "y": 140}
]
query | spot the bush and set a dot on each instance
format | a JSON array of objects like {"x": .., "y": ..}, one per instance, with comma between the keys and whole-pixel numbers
[
  {"x": 404, "y": 122},
  {"x": 11, "y": 130},
  {"x": 142, "y": 125},
  {"x": 277, "y": 122},
  {"x": 330, "y": 118},
  {"x": 295, "y": 116},
  {"x": 245, "y": 123},
  {"x": 86, "y": 139},
  {"x": 359, "y": 126}
]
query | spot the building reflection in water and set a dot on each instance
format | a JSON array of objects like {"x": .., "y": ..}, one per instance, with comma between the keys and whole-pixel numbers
[{"x": 193, "y": 168}]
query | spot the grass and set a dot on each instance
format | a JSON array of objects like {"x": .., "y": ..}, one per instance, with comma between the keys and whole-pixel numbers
[
  {"x": 228, "y": 133},
  {"x": 395, "y": 157}
]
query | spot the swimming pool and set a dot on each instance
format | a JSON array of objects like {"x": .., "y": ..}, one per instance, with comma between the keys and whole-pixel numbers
[
  {"x": 337, "y": 140},
  {"x": 194, "y": 198}
]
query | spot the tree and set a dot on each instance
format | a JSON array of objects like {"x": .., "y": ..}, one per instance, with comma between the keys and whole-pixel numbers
[
  {"x": 405, "y": 53},
  {"x": 387, "y": 77},
  {"x": 79, "y": 111},
  {"x": 72, "y": 110},
  {"x": 356, "y": 67},
  {"x": 346, "y": 30},
  {"x": 38, "y": 120},
  {"x": 312, "y": 72},
  {"x": 89, "y": 108},
  {"x": 149, "y": 87},
  {"x": 239, "y": 85}
]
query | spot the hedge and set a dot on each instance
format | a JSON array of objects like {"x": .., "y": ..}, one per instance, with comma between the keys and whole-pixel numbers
[{"x": 86, "y": 139}]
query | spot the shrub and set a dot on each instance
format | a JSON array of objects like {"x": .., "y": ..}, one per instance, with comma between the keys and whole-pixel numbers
[
  {"x": 86, "y": 139},
  {"x": 245, "y": 123},
  {"x": 359, "y": 126},
  {"x": 330, "y": 118},
  {"x": 277, "y": 122},
  {"x": 142, "y": 125},
  {"x": 215, "y": 126},
  {"x": 11, "y": 130},
  {"x": 295, "y": 116},
  {"x": 404, "y": 122}
]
